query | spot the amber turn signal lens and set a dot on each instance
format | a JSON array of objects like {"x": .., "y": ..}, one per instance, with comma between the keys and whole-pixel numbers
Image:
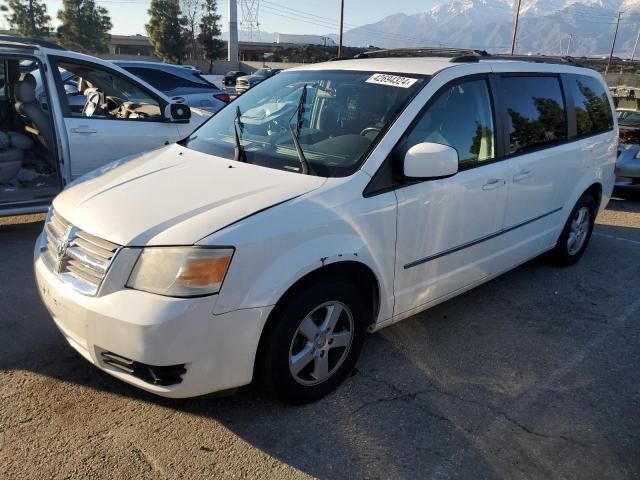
[{"x": 199, "y": 272}]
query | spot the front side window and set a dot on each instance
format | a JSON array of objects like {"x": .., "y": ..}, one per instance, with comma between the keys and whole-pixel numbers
[
  {"x": 335, "y": 116},
  {"x": 461, "y": 117},
  {"x": 101, "y": 93},
  {"x": 535, "y": 112},
  {"x": 593, "y": 112}
]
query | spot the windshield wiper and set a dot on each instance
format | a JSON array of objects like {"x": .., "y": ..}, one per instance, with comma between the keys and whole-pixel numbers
[
  {"x": 295, "y": 134},
  {"x": 239, "y": 154}
]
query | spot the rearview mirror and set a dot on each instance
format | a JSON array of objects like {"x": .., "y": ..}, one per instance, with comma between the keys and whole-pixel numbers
[
  {"x": 177, "y": 112},
  {"x": 430, "y": 160}
]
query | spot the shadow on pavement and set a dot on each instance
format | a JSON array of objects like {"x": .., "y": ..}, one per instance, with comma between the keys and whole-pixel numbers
[{"x": 506, "y": 381}]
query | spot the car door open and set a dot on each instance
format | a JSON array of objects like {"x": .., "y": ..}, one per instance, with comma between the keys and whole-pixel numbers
[{"x": 119, "y": 117}]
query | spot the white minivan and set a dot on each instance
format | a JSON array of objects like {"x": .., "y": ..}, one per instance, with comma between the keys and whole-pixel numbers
[
  {"x": 327, "y": 202},
  {"x": 63, "y": 114}
]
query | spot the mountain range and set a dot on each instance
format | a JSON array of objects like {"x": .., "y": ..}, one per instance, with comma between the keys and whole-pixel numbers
[{"x": 545, "y": 26}]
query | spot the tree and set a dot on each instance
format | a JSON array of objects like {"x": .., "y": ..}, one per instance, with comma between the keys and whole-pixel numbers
[
  {"x": 29, "y": 17},
  {"x": 84, "y": 26},
  {"x": 192, "y": 11},
  {"x": 166, "y": 30},
  {"x": 210, "y": 30}
]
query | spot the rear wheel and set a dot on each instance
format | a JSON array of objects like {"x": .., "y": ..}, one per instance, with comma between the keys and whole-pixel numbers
[
  {"x": 576, "y": 233},
  {"x": 313, "y": 341}
]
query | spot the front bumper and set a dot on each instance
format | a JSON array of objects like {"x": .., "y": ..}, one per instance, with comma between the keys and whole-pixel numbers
[
  {"x": 628, "y": 170},
  {"x": 627, "y": 166},
  {"x": 217, "y": 351}
]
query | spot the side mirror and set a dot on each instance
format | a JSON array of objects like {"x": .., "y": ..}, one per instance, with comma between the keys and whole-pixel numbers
[
  {"x": 177, "y": 112},
  {"x": 430, "y": 160}
]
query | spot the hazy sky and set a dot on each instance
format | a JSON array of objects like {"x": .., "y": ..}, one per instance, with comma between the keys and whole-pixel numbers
[{"x": 283, "y": 16}]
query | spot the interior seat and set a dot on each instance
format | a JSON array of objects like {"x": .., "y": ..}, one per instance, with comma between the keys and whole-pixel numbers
[
  {"x": 11, "y": 158},
  {"x": 10, "y": 163},
  {"x": 35, "y": 118},
  {"x": 12, "y": 148}
]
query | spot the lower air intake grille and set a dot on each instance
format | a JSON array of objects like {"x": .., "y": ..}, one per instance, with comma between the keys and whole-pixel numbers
[{"x": 163, "y": 376}]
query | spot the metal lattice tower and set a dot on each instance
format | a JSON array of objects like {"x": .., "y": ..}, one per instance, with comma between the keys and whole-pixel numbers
[{"x": 249, "y": 20}]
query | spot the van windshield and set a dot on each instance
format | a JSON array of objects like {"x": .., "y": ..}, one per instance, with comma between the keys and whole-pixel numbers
[{"x": 336, "y": 116}]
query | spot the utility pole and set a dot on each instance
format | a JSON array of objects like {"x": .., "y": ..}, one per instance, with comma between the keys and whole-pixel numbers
[
  {"x": 341, "y": 28},
  {"x": 633, "y": 54},
  {"x": 232, "y": 44},
  {"x": 515, "y": 29},
  {"x": 613, "y": 44},
  {"x": 569, "y": 44}
]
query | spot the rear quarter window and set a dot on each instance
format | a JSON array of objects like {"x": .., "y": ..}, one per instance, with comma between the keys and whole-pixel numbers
[
  {"x": 534, "y": 112},
  {"x": 593, "y": 111}
]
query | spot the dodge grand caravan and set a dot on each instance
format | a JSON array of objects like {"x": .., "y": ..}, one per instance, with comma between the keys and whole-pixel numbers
[{"x": 327, "y": 202}]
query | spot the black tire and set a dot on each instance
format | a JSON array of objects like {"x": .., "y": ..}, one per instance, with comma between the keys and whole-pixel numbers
[
  {"x": 273, "y": 367},
  {"x": 562, "y": 255}
]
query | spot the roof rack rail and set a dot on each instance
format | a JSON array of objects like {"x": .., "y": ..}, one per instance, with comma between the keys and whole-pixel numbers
[
  {"x": 517, "y": 58},
  {"x": 460, "y": 55},
  {"x": 29, "y": 42},
  {"x": 421, "y": 52}
]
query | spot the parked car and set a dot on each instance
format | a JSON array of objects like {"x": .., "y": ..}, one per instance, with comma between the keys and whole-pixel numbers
[
  {"x": 249, "y": 81},
  {"x": 47, "y": 138},
  {"x": 628, "y": 165},
  {"x": 229, "y": 80},
  {"x": 191, "y": 67},
  {"x": 183, "y": 85},
  {"x": 293, "y": 228},
  {"x": 629, "y": 127}
]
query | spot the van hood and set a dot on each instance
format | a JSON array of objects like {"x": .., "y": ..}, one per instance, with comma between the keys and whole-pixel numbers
[{"x": 174, "y": 196}]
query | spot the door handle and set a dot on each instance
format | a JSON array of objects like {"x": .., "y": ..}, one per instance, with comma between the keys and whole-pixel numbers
[
  {"x": 84, "y": 130},
  {"x": 518, "y": 177},
  {"x": 494, "y": 183}
]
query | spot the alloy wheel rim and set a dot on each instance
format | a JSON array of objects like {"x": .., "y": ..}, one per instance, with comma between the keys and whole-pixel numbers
[
  {"x": 321, "y": 343},
  {"x": 579, "y": 230}
]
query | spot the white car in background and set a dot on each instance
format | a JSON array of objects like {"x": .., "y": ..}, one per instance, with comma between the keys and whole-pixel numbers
[
  {"x": 268, "y": 243},
  {"x": 65, "y": 114},
  {"x": 180, "y": 83}
]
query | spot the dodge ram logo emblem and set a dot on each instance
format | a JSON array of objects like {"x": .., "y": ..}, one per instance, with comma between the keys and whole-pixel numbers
[{"x": 62, "y": 244}]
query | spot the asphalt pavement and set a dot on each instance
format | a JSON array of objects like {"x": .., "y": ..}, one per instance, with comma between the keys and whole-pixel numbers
[{"x": 533, "y": 375}]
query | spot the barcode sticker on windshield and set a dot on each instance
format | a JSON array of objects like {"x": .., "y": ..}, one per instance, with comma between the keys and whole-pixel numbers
[{"x": 393, "y": 80}]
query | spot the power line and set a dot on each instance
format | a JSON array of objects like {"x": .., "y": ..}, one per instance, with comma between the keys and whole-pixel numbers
[{"x": 334, "y": 25}]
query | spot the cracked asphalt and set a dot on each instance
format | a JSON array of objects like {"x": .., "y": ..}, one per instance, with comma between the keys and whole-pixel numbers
[{"x": 533, "y": 375}]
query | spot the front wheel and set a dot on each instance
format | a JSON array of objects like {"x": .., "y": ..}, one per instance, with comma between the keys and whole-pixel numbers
[
  {"x": 576, "y": 233},
  {"x": 313, "y": 341}
]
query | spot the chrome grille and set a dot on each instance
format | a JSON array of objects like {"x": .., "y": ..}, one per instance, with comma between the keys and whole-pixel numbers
[{"x": 77, "y": 257}]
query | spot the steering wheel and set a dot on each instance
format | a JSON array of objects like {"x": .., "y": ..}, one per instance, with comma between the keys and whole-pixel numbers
[
  {"x": 114, "y": 103},
  {"x": 92, "y": 105},
  {"x": 370, "y": 129}
]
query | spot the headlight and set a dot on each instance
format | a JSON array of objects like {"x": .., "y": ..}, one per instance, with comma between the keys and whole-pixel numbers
[{"x": 180, "y": 271}]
